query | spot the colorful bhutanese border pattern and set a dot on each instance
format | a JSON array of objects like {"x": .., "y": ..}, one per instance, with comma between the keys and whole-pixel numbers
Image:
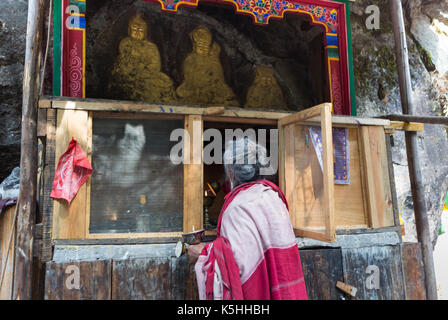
[{"x": 73, "y": 48}]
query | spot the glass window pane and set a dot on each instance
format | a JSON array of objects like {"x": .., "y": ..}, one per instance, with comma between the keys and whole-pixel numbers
[{"x": 135, "y": 187}]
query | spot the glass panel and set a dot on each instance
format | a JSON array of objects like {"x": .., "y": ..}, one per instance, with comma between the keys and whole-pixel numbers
[
  {"x": 135, "y": 187},
  {"x": 309, "y": 183}
]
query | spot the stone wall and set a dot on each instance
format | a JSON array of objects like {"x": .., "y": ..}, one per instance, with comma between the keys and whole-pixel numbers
[
  {"x": 13, "y": 15},
  {"x": 377, "y": 92}
]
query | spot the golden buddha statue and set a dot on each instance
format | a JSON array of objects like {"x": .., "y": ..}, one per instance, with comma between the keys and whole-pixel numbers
[
  {"x": 137, "y": 74},
  {"x": 204, "y": 82},
  {"x": 265, "y": 91}
]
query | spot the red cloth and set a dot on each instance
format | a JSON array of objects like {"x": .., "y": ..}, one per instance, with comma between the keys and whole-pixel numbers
[
  {"x": 279, "y": 275},
  {"x": 72, "y": 172}
]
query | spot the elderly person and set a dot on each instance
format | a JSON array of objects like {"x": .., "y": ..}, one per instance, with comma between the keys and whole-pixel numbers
[{"x": 255, "y": 255}]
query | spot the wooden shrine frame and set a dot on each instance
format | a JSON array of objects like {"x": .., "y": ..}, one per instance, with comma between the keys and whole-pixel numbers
[{"x": 73, "y": 118}]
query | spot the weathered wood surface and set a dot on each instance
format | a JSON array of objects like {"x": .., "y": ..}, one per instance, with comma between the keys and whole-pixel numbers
[
  {"x": 131, "y": 279},
  {"x": 414, "y": 273},
  {"x": 99, "y": 105},
  {"x": 6, "y": 221},
  {"x": 48, "y": 175},
  {"x": 388, "y": 260},
  {"x": 153, "y": 279},
  {"x": 94, "y": 280},
  {"x": 322, "y": 269},
  {"x": 28, "y": 156}
]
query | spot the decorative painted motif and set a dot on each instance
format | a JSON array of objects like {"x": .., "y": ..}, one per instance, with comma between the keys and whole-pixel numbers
[
  {"x": 263, "y": 10},
  {"x": 73, "y": 48},
  {"x": 75, "y": 72}
]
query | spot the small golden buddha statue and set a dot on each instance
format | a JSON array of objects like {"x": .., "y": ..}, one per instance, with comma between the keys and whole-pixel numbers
[
  {"x": 265, "y": 91},
  {"x": 204, "y": 82},
  {"x": 137, "y": 74}
]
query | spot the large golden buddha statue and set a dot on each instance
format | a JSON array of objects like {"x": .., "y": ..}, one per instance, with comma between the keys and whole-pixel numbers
[
  {"x": 137, "y": 74},
  {"x": 204, "y": 82},
  {"x": 265, "y": 91}
]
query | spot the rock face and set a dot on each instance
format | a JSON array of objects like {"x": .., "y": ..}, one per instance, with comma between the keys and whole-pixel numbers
[
  {"x": 377, "y": 93},
  {"x": 13, "y": 15}
]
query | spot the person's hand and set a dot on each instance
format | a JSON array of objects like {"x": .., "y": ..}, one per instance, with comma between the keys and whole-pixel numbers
[{"x": 194, "y": 251}]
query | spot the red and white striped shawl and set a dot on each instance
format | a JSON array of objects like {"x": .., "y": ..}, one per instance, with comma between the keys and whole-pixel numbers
[{"x": 255, "y": 256}]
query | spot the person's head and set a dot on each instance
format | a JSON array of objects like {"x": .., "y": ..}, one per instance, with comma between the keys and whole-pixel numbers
[{"x": 243, "y": 159}]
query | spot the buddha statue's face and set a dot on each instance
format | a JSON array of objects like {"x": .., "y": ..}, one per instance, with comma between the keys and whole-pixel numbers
[
  {"x": 265, "y": 76},
  {"x": 202, "y": 40},
  {"x": 137, "y": 28}
]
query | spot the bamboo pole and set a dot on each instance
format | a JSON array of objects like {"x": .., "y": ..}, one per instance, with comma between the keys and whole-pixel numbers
[
  {"x": 28, "y": 158},
  {"x": 413, "y": 118},
  {"x": 415, "y": 175}
]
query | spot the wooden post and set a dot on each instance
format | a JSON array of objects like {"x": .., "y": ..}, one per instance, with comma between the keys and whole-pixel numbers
[
  {"x": 28, "y": 159},
  {"x": 417, "y": 186}
]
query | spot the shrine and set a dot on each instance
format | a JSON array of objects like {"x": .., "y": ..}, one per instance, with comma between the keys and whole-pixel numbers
[{"x": 138, "y": 83}]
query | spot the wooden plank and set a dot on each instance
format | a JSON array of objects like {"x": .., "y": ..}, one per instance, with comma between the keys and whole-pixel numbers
[
  {"x": 354, "y": 212},
  {"x": 369, "y": 179},
  {"x": 348, "y": 289},
  {"x": 414, "y": 273},
  {"x": 89, "y": 182},
  {"x": 94, "y": 280},
  {"x": 229, "y": 112},
  {"x": 322, "y": 268},
  {"x": 41, "y": 122},
  {"x": 405, "y": 126},
  {"x": 289, "y": 176},
  {"x": 183, "y": 279},
  {"x": 393, "y": 188},
  {"x": 281, "y": 157},
  {"x": 328, "y": 167},
  {"x": 193, "y": 174},
  {"x": 388, "y": 261},
  {"x": 380, "y": 172},
  {"x": 304, "y": 115},
  {"x": 128, "y": 106},
  {"x": 70, "y": 224},
  {"x": 48, "y": 175},
  {"x": 6, "y": 223},
  {"x": 142, "y": 279}
]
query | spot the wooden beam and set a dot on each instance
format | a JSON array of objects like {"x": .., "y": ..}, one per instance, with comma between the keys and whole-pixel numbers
[
  {"x": 416, "y": 118},
  {"x": 405, "y": 126},
  {"x": 193, "y": 174},
  {"x": 303, "y": 115},
  {"x": 23, "y": 267},
  {"x": 328, "y": 174}
]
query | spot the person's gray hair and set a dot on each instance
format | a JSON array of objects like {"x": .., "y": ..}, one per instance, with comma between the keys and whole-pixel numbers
[{"x": 245, "y": 157}]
